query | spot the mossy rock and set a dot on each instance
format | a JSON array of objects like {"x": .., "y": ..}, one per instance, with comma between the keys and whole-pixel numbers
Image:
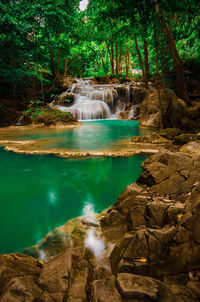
[
  {"x": 49, "y": 116},
  {"x": 186, "y": 138},
  {"x": 170, "y": 133}
]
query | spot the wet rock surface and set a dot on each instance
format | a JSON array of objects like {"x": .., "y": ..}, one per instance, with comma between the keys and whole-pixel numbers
[{"x": 154, "y": 231}]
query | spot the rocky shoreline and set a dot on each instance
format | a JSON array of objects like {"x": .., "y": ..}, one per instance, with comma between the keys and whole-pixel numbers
[
  {"x": 152, "y": 245},
  {"x": 151, "y": 235}
]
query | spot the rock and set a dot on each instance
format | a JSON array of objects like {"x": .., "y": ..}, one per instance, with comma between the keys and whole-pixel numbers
[
  {"x": 104, "y": 291},
  {"x": 162, "y": 108},
  {"x": 66, "y": 275},
  {"x": 191, "y": 148},
  {"x": 155, "y": 252},
  {"x": 185, "y": 138},
  {"x": 136, "y": 115},
  {"x": 21, "y": 289},
  {"x": 128, "y": 113},
  {"x": 65, "y": 99},
  {"x": 156, "y": 212},
  {"x": 71, "y": 234},
  {"x": 153, "y": 138},
  {"x": 133, "y": 286},
  {"x": 137, "y": 94},
  {"x": 18, "y": 275},
  {"x": 170, "y": 133},
  {"x": 170, "y": 173}
]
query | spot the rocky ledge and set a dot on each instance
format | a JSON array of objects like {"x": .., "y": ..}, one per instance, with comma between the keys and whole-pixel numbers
[{"x": 154, "y": 234}]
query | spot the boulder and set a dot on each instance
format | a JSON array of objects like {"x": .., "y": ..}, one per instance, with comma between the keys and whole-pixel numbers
[
  {"x": 104, "y": 290},
  {"x": 191, "y": 148},
  {"x": 134, "y": 286},
  {"x": 170, "y": 173},
  {"x": 162, "y": 108},
  {"x": 18, "y": 275},
  {"x": 66, "y": 275}
]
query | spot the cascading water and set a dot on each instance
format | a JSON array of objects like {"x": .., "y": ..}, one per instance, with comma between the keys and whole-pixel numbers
[{"x": 92, "y": 101}]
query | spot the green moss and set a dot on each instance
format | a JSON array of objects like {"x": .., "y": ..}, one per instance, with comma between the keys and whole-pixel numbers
[{"x": 49, "y": 116}]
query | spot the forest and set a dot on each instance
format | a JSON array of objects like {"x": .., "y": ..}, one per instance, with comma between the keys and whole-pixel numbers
[
  {"x": 42, "y": 42},
  {"x": 99, "y": 151}
]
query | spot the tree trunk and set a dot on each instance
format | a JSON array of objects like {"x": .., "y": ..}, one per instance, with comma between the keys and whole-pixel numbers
[
  {"x": 117, "y": 65},
  {"x": 58, "y": 58},
  {"x": 163, "y": 64},
  {"x": 146, "y": 60},
  {"x": 120, "y": 59},
  {"x": 103, "y": 63},
  {"x": 129, "y": 55},
  {"x": 126, "y": 61},
  {"x": 171, "y": 45},
  {"x": 156, "y": 45},
  {"x": 65, "y": 68},
  {"x": 139, "y": 56},
  {"x": 51, "y": 59},
  {"x": 41, "y": 82},
  {"x": 112, "y": 58}
]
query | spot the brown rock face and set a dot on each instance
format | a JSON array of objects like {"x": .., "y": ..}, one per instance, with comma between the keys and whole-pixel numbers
[
  {"x": 163, "y": 108},
  {"x": 171, "y": 173},
  {"x": 163, "y": 219},
  {"x": 137, "y": 94},
  {"x": 18, "y": 278}
]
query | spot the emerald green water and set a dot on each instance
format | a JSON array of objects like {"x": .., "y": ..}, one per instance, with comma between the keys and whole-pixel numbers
[
  {"x": 38, "y": 193},
  {"x": 93, "y": 135}
]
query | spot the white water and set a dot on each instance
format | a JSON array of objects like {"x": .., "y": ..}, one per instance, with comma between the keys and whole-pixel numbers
[
  {"x": 92, "y": 101},
  {"x": 96, "y": 102},
  {"x": 93, "y": 241}
]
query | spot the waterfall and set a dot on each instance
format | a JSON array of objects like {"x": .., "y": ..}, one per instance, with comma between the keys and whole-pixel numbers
[{"x": 94, "y": 101}]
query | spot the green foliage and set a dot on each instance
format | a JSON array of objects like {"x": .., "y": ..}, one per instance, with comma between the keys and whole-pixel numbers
[
  {"x": 42, "y": 41},
  {"x": 48, "y": 115}
]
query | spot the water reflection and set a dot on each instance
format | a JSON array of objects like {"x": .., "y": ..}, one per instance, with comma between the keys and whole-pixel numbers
[
  {"x": 55, "y": 190},
  {"x": 93, "y": 135}
]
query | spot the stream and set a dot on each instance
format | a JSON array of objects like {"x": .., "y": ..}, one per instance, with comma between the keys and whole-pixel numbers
[{"x": 39, "y": 193}]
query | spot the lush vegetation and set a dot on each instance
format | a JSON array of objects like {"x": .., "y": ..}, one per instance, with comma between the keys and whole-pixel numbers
[
  {"x": 43, "y": 41},
  {"x": 47, "y": 115}
]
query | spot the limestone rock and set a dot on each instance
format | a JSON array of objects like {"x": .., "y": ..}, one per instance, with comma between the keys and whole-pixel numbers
[
  {"x": 153, "y": 138},
  {"x": 18, "y": 275},
  {"x": 104, "y": 291},
  {"x": 191, "y": 148},
  {"x": 66, "y": 274},
  {"x": 133, "y": 286},
  {"x": 162, "y": 108},
  {"x": 170, "y": 173}
]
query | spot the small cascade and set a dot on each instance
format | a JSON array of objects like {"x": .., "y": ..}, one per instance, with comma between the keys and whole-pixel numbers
[
  {"x": 131, "y": 113},
  {"x": 93, "y": 101},
  {"x": 128, "y": 93}
]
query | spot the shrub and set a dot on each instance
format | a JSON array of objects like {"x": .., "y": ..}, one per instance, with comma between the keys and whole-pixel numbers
[{"x": 49, "y": 115}]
